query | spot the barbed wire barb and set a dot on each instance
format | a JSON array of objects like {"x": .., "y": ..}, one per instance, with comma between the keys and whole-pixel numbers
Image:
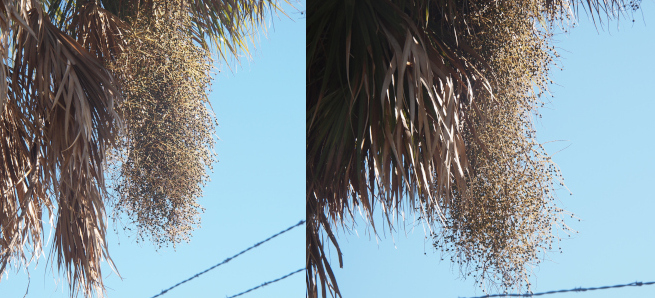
[
  {"x": 230, "y": 258},
  {"x": 268, "y": 283},
  {"x": 633, "y": 284}
]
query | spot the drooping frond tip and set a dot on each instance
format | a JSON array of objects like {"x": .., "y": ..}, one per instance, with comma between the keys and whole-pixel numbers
[{"x": 57, "y": 124}]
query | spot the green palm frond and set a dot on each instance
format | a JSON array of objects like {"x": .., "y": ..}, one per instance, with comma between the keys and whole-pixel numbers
[{"x": 229, "y": 25}]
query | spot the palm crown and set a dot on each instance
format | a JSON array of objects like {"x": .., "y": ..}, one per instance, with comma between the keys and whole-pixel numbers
[
  {"x": 89, "y": 87},
  {"x": 425, "y": 107}
]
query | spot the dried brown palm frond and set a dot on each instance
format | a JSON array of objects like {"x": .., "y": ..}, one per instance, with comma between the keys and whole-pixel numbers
[
  {"x": 385, "y": 102},
  {"x": 169, "y": 128},
  {"x": 23, "y": 194},
  {"x": 426, "y": 107},
  {"x": 6, "y": 14},
  {"x": 57, "y": 124},
  {"x": 228, "y": 26},
  {"x": 99, "y": 31},
  {"x": 10, "y": 20}
]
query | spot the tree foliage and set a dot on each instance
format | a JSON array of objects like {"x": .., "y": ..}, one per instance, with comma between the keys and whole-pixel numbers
[
  {"x": 426, "y": 107},
  {"x": 91, "y": 85}
]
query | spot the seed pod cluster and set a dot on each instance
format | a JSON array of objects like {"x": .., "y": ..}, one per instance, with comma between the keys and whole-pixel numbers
[
  {"x": 506, "y": 220},
  {"x": 168, "y": 140}
]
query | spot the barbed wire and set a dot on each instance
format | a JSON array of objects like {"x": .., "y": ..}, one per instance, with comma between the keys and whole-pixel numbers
[
  {"x": 633, "y": 284},
  {"x": 267, "y": 283},
  {"x": 230, "y": 258}
]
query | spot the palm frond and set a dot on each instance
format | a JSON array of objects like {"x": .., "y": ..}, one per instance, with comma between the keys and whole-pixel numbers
[
  {"x": 230, "y": 26},
  {"x": 385, "y": 108},
  {"x": 10, "y": 19},
  {"x": 99, "y": 31},
  {"x": 61, "y": 104},
  {"x": 23, "y": 195}
]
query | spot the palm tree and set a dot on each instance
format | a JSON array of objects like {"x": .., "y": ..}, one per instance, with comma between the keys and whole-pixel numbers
[
  {"x": 425, "y": 107},
  {"x": 88, "y": 91}
]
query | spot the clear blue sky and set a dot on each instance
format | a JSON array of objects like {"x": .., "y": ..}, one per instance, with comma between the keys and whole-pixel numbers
[
  {"x": 603, "y": 109},
  {"x": 257, "y": 189}
]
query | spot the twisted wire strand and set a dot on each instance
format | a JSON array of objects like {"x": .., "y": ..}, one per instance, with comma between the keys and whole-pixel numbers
[
  {"x": 633, "y": 284},
  {"x": 267, "y": 283},
  {"x": 230, "y": 258}
]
